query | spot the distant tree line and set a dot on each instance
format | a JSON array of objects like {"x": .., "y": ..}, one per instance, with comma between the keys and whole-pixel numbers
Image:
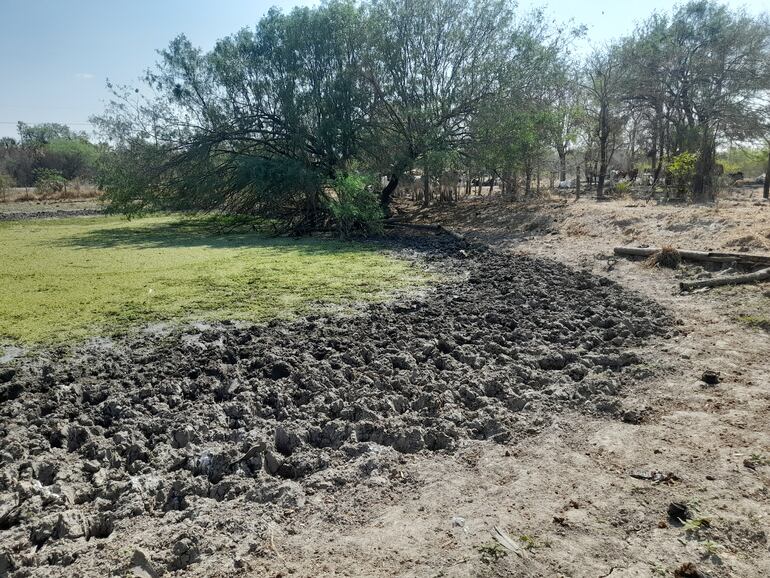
[
  {"x": 47, "y": 152},
  {"x": 323, "y": 114}
]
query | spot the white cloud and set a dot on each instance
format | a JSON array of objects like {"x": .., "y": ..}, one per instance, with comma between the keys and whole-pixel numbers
[{"x": 84, "y": 75}]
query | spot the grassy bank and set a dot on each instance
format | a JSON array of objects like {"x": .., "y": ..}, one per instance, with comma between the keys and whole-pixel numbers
[{"x": 70, "y": 278}]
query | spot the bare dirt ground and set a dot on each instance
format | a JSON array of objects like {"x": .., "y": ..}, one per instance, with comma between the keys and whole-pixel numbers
[
  {"x": 437, "y": 441},
  {"x": 41, "y": 209},
  {"x": 715, "y": 440}
]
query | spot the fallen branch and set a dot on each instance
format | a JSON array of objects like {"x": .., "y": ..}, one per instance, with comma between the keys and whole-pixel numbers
[
  {"x": 707, "y": 256},
  {"x": 757, "y": 276}
]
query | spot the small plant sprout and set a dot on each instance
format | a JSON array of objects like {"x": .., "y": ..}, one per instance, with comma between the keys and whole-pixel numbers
[
  {"x": 491, "y": 552},
  {"x": 711, "y": 549},
  {"x": 694, "y": 525}
]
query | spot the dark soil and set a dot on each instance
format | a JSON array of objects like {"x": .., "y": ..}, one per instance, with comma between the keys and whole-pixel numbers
[
  {"x": 50, "y": 214},
  {"x": 98, "y": 439}
]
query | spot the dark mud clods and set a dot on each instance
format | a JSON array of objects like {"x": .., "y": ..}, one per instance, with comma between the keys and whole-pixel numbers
[
  {"x": 49, "y": 214},
  {"x": 94, "y": 439}
]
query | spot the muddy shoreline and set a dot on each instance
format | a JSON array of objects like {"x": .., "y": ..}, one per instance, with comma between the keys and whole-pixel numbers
[{"x": 127, "y": 455}]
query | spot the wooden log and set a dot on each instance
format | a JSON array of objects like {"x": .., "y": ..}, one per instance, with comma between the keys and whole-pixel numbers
[
  {"x": 755, "y": 277},
  {"x": 706, "y": 256}
]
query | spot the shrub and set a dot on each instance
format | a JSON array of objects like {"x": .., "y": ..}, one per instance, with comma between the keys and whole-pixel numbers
[
  {"x": 354, "y": 206},
  {"x": 622, "y": 188},
  {"x": 667, "y": 257},
  {"x": 682, "y": 170},
  {"x": 50, "y": 181}
]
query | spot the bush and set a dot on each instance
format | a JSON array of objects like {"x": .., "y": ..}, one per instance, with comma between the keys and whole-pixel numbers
[
  {"x": 354, "y": 205},
  {"x": 682, "y": 170},
  {"x": 622, "y": 188},
  {"x": 49, "y": 181}
]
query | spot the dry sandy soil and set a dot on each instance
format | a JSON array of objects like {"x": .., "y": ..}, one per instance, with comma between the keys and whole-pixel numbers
[
  {"x": 715, "y": 440},
  {"x": 430, "y": 467}
]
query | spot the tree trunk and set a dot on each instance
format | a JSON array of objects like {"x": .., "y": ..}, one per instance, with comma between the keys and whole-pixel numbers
[
  {"x": 766, "y": 188},
  {"x": 426, "y": 190},
  {"x": 491, "y": 184},
  {"x": 562, "y": 166},
  {"x": 386, "y": 196},
  {"x": 577, "y": 182},
  {"x": 527, "y": 182},
  {"x": 703, "y": 183},
  {"x": 537, "y": 180},
  {"x": 602, "y": 169}
]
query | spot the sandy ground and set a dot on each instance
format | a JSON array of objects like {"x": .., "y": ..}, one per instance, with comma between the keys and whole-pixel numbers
[
  {"x": 582, "y": 494},
  {"x": 715, "y": 440}
]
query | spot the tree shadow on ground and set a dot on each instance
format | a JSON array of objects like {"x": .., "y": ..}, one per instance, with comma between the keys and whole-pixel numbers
[{"x": 205, "y": 233}]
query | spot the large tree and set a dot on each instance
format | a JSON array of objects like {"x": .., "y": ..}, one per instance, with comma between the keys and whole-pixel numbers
[{"x": 432, "y": 65}]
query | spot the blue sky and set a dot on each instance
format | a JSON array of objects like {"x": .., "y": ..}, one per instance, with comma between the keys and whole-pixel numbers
[{"x": 57, "y": 54}]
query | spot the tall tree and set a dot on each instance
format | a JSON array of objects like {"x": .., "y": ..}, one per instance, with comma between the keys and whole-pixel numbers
[
  {"x": 432, "y": 65},
  {"x": 603, "y": 83}
]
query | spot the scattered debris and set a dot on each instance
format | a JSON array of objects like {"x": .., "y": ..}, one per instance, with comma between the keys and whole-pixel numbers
[
  {"x": 667, "y": 257},
  {"x": 505, "y": 540},
  {"x": 711, "y": 377},
  {"x": 755, "y": 277},
  {"x": 689, "y": 570},
  {"x": 656, "y": 477},
  {"x": 703, "y": 256},
  {"x": 141, "y": 566},
  {"x": 679, "y": 512}
]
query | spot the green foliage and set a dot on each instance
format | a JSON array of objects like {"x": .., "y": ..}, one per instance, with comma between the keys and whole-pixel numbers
[
  {"x": 491, "y": 552},
  {"x": 622, "y": 188},
  {"x": 682, "y": 169},
  {"x": 48, "y": 146},
  {"x": 354, "y": 205},
  {"x": 74, "y": 158},
  {"x": 750, "y": 161},
  {"x": 38, "y": 135},
  {"x": 386, "y": 85},
  {"x": 49, "y": 181},
  {"x": 72, "y": 277},
  {"x": 711, "y": 549},
  {"x": 129, "y": 177},
  {"x": 694, "y": 525}
]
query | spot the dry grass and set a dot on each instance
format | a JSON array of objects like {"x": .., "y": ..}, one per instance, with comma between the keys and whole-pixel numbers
[
  {"x": 667, "y": 257},
  {"x": 73, "y": 193}
]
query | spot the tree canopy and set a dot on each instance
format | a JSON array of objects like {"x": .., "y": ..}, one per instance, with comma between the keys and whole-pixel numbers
[{"x": 276, "y": 120}]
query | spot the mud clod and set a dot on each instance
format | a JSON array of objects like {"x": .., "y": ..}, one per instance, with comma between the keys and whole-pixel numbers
[
  {"x": 168, "y": 427},
  {"x": 185, "y": 552}
]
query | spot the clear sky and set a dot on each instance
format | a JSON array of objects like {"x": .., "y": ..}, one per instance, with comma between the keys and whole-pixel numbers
[{"x": 57, "y": 54}]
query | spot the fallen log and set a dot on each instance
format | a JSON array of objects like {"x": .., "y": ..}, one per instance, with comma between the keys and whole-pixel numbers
[
  {"x": 755, "y": 277},
  {"x": 706, "y": 256}
]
